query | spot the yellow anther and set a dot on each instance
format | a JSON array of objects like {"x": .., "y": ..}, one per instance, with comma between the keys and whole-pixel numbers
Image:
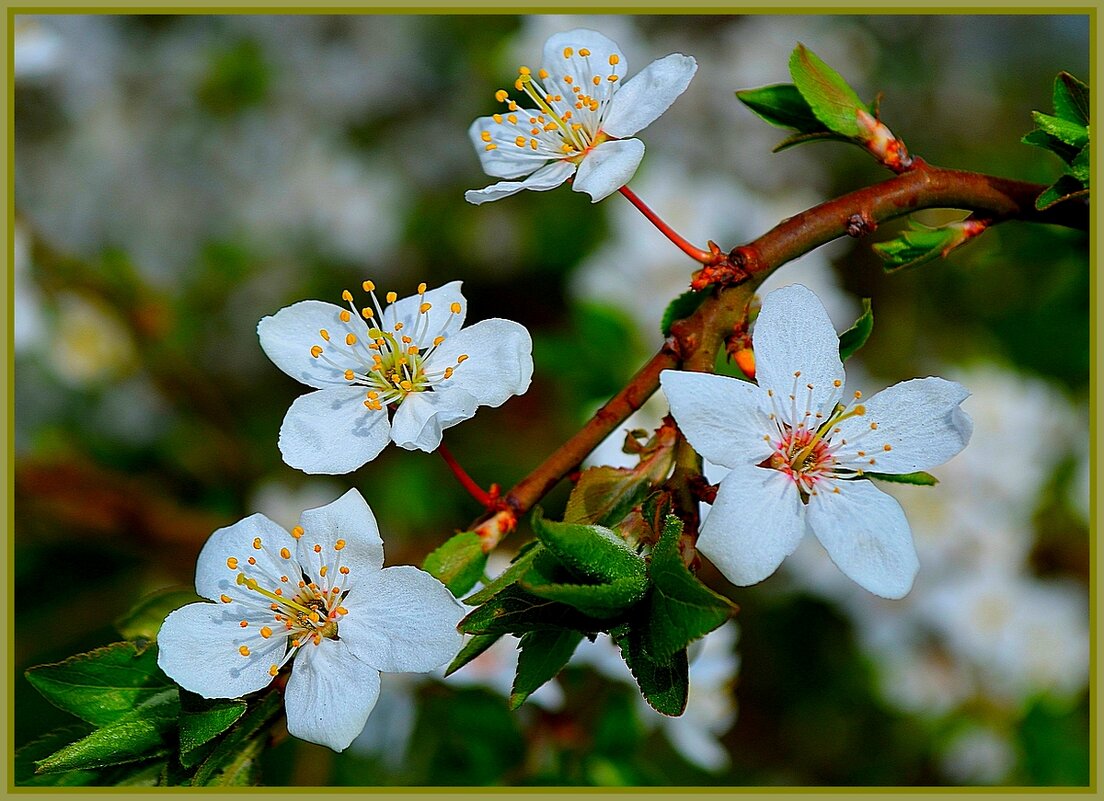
[
  {"x": 344, "y": 571},
  {"x": 412, "y": 350},
  {"x": 295, "y": 642},
  {"x": 391, "y": 297},
  {"x": 322, "y": 571},
  {"x": 317, "y": 548},
  {"x": 437, "y": 341},
  {"x": 225, "y": 599},
  {"x": 597, "y": 80},
  {"x": 421, "y": 288},
  {"x": 887, "y": 447},
  {"x": 284, "y": 579},
  {"x": 568, "y": 52},
  {"x": 613, "y": 78},
  {"x": 285, "y": 553},
  {"x": 614, "y": 59},
  {"x": 485, "y": 136},
  {"x": 345, "y": 316},
  {"x": 857, "y": 394},
  {"x": 860, "y": 410},
  {"x": 568, "y": 79},
  {"x": 367, "y": 313},
  {"x": 513, "y": 119},
  {"x": 244, "y": 624},
  {"x": 533, "y": 144},
  {"x": 346, "y": 295},
  {"x": 873, "y": 426},
  {"x": 373, "y": 395},
  {"x": 501, "y": 95},
  {"x": 512, "y": 106},
  {"x": 314, "y": 616},
  {"x": 497, "y": 118},
  {"x": 272, "y": 671},
  {"x": 448, "y": 373},
  {"x": 349, "y": 375},
  {"x": 369, "y": 286},
  {"x": 316, "y": 351},
  {"x": 519, "y": 84},
  {"x": 341, "y": 610},
  {"x": 257, "y": 543},
  {"x": 797, "y": 374},
  {"x": 350, "y": 339},
  {"x": 463, "y": 357},
  {"x": 455, "y": 307},
  {"x": 535, "y": 131},
  {"x": 266, "y": 632},
  {"x": 297, "y": 532},
  {"x": 542, "y": 74},
  {"x": 566, "y": 148},
  {"x": 244, "y": 650},
  {"x": 406, "y": 385},
  {"x": 524, "y": 71},
  {"x": 232, "y": 563},
  {"x": 424, "y": 308},
  {"x": 520, "y": 141},
  {"x": 322, "y": 332},
  {"x": 251, "y": 560},
  {"x": 584, "y": 52}
]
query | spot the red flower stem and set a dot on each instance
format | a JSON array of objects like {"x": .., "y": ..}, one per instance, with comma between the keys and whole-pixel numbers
[
  {"x": 704, "y": 256},
  {"x": 466, "y": 481}
]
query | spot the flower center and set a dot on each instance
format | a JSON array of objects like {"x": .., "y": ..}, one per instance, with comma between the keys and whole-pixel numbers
[
  {"x": 374, "y": 349},
  {"x": 296, "y": 611},
  {"x": 571, "y": 103}
]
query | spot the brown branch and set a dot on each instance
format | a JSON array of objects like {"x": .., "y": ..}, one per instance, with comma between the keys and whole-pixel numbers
[{"x": 856, "y": 213}]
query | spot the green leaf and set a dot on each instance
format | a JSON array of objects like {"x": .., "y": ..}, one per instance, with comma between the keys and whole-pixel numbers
[
  {"x": 680, "y": 609},
  {"x": 783, "y": 106},
  {"x": 145, "y": 619},
  {"x": 596, "y": 600},
  {"x": 458, "y": 563},
  {"x": 663, "y": 682},
  {"x": 543, "y": 655},
  {"x": 472, "y": 648},
  {"x": 592, "y": 552},
  {"x": 1040, "y": 138},
  {"x": 920, "y": 478},
  {"x": 829, "y": 96},
  {"x": 1072, "y": 133},
  {"x": 235, "y": 754},
  {"x": 855, "y": 337},
  {"x": 202, "y": 720},
  {"x": 914, "y": 247},
  {"x": 104, "y": 685},
  {"x": 800, "y": 139},
  {"x": 518, "y": 567},
  {"x": 145, "y": 731},
  {"x": 1079, "y": 167},
  {"x": 683, "y": 306},
  {"x": 25, "y": 757},
  {"x": 1065, "y": 188},
  {"x": 604, "y": 495},
  {"x": 1071, "y": 99},
  {"x": 515, "y": 611}
]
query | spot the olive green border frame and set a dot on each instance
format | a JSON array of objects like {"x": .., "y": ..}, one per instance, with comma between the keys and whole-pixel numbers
[{"x": 1091, "y": 8}]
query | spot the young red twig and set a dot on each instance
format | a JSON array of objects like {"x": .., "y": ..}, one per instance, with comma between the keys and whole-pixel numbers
[
  {"x": 489, "y": 500},
  {"x": 696, "y": 253}
]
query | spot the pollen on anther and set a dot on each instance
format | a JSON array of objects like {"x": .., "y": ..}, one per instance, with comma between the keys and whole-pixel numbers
[
  {"x": 318, "y": 548},
  {"x": 837, "y": 383},
  {"x": 251, "y": 560},
  {"x": 346, "y": 295},
  {"x": 297, "y": 532},
  {"x": 501, "y": 95},
  {"x": 857, "y": 394},
  {"x": 391, "y": 296},
  {"x": 463, "y": 357},
  {"x": 367, "y": 313},
  {"x": 448, "y": 373},
  {"x": 244, "y": 624},
  {"x": 232, "y": 563},
  {"x": 225, "y": 599},
  {"x": 454, "y": 308},
  {"x": 584, "y": 52},
  {"x": 257, "y": 543},
  {"x": 285, "y": 553},
  {"x": 244, "y": 650},
  {"x": 597, "y": 80},
  {"x": 322, "y": 332},
  {"x": 339, "y": 545},
  {"x": 369, "y": 286},
  {"x": 887, "y": 447},
  {"x": 344, "y": 571},
  {"x": 322, "y": 571},
  {"x": 424, "y": 308},
  {"x": 316, "y": 351},
  {"x": 350, "y": 339},
  {"x": 272, "y": 671},
  {"x": 568, "y": 52}
]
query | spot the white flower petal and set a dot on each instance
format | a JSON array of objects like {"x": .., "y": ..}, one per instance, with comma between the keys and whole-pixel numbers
[
  {"x": 402, "y": 620},
  {"x": 197, "y": 648},
  {"x": 794, "y": 334},
  {"x": 288, "y": 336},
  {"x": 645, "y": 96},
  {"x": 866, "y": 534},
  {"x": 507, "y": 160},
  {"x": 608, "y": 167},
  {"x": 215, "y": 578},
  {"x": 920, "y": 420},
  {"x": 721, "y": 417},
  {"x": 581, "y": 69},
  {"x": 330, "y": 431},
  {"x": 349, "y": 518},
  {"x": 499, "y": 363},
  {"x": 423, "y": 416},
  {"x": 330, "y": 695},
  {"x": 756, "y": 521},
  {"x": 438, "y": 321},
  {"x": 547, "y": 177}
]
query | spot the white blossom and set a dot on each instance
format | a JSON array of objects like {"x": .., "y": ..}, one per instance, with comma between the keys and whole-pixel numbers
[
  {"x": 798, "y": 454},
  {"x": 582, "y": 118},
  {"x": 412, "y": 356},
  {"x": 318, "y": 597}
]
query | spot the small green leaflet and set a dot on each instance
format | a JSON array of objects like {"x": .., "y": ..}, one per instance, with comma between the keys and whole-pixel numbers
[
  {"x": 919, "y": 478},
  {"x": 605, "y": 495},
  {"x": 458, "y": 563},
  {"x": 829, "y": 96},
  {"x": 592, "y": 552},
  {"x": 235, "y": 756},
  {"x": 681, "y": 307},
  {"x": 664, "y": 683},
  {"x": 145, "y": 619},
  {"x": 145, "y": 731},
  {"x": 472, "y": 648},
  {"x": 1071, "y": 99},
  {"x": 27, "y": 755},
  {"x": 596, "y": 600},
  {"x": 782, "y": 106},
  {"x": 1073, "y": 134},
  {"x": 104, "y": 685},
  {"x": 521, "y": 564},
  {"x": 543, "y": 655},
  {"x": 1065, "y": 188},
  {"x": 680, "y": 608},
  {"x": 914, "y": 247},
  {"x": 202, "y": 720},
  {"x": 515, "y": 611},
  {"x": 855, "y": 337},
  {"x": 1066, "y": 134}
]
